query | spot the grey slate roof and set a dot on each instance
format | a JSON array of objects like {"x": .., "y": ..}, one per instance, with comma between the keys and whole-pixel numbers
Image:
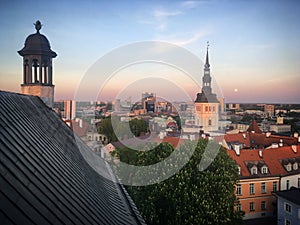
[
  {"x": 292, "y": 195},
  {"x": 44, "y": 177}
]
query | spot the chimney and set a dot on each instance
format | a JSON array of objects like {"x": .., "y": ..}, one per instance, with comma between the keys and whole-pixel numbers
[
  {"x": 294, "y": 148},
  {"x": 296, "y": 135},
  {"x": 274, "y": 145},
  {"x": 260, "y": 153},
  {"x": 237, "y": 149},
  {"x": 268, "y": 134},
  {"x": 244, "y": 135},
  {"x": 80, "y": 123},
  {"x": 299, "y": 139},
  {"x": 280, "y": 143}
]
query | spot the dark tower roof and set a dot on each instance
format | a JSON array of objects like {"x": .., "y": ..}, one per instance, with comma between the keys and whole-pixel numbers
[
  {"x": 37, "y": 44},
  {"x": 207, "y": 60},
  {"x": 206, "y": 96}
]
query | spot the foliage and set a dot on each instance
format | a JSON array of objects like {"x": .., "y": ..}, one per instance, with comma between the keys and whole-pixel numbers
[
  {"x": 190, "y": 196},
  {"x": 105, "y": 127},
  {"x": 137, "y": 126}
]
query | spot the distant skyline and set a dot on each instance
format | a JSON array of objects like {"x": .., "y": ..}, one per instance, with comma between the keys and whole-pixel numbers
[{"x": 254, "y": 45}]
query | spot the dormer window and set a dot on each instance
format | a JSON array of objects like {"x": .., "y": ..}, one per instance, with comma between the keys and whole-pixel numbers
[
  {"x": 239, "y": 170},
  {"x": 289, "y": 167},
  {"x": 253, "y": 170},
  {"x": 295, "y": 166},
  {"x": 264, "y": 170}
]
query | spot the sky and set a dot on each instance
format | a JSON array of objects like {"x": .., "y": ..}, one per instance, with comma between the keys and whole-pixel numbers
[{"x": 254, "y": 46}]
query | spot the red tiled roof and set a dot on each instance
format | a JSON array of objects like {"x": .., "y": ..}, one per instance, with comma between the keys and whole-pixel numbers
[
  {"x": 240, "y": 137},
  {"x": 259, "y": 140},
  {"x": 271, "y": 157},
  {"x": 254, "y": 127},
  {"x": 174, "y": 141},
  {"x": 80, "y": 131}
]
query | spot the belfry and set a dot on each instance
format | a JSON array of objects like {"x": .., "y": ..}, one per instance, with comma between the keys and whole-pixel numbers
[
  {"x": 206, "y": 103},
  {"x": 37, "y": 67}
]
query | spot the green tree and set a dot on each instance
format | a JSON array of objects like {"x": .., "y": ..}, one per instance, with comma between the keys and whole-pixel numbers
[
  {"x": 190, "y": 196},
  {"x": 138, "y": 126},
  {"x": 105, "y": 127}
]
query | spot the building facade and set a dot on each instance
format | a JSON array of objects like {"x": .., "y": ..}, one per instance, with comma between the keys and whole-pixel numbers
[{"x": 288, "y": 207}]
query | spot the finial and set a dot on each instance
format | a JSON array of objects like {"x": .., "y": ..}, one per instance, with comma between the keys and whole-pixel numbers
[
  {"x": 38, "y": 26},
  {"x": 207, "y": 45}
]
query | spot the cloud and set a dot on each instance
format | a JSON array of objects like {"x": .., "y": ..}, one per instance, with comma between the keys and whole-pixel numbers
[
  {"x": 161, "y": 14},
  {"x": 190, "y": 4},
  {"x": 161, "y": 17},
  {"x": 195, "y": 37}
]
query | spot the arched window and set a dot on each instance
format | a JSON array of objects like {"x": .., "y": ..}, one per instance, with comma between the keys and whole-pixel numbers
[
  {"x": 264, "y": 170},
  {"x": 239, "y": 170},
  {"x": 253, "y": 170},
  {"x": 289, "y": 167},
  {"x": 35, "y": 69},
  {"x": 295, "y": 166}
]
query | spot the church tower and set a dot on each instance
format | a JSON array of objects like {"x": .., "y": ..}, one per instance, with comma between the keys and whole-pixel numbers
[
  {"x": 206, "y": 103},
  {"x": 37, "y": 67}
]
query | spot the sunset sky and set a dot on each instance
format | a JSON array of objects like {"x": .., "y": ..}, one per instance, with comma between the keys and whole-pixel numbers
[{"x": 254, "y": 45}]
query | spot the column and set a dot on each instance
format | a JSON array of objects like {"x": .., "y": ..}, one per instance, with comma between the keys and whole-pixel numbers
[
  {"x": 45, "y": 73},
  {"x": 40, "y": 73},
  {"x": 50, "y": 72}
]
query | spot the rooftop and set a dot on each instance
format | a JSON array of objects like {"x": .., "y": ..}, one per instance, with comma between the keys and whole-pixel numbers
[
  {"x": 44, "y": 176},
  {"x": 292, "y": 195}
]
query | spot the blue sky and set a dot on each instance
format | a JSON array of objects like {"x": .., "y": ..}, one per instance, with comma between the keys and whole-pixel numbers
[{"x": 254, "y": 45}]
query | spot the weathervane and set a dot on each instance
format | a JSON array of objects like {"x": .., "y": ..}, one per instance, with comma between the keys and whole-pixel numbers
[{"x": 38, "y": 26}]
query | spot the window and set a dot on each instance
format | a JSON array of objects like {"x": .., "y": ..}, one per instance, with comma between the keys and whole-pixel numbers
[
  {"x": 275, "y": 186},
  {"x": 214, "y": 108},
  {"x": 295, "y": 166},
  {"x": 287, "y": 185},
  {"x": 289, "y": 167},
  {"x": 287, "y": 207},
  {"x": 239, "y": 189},
  {"x": 253, "y": 170},
  {"x": 251, "y": 206},
  {"x": 287, "y": 222},
  {"x": 239, "y": 207},
  {"x": 263, "y": 188},
  {"x": 252, "y": 189},
  {"x": 239, "y": 170},
  {"x": 263, "y": 205},
  {"x": 209, "y": 122},
  {"x": 206, "y": 108},
  {"x": 264, "y": 170},
  {"x": 298, "y": 182}
]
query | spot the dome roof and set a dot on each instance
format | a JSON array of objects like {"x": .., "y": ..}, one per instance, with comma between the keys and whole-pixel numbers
[{"x": 37, "y": 44}]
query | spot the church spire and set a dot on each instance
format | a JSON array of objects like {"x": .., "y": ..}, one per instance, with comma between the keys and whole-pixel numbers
[
  {"x": 206, "y": 87},
  {"x": 207, "y": 60}
]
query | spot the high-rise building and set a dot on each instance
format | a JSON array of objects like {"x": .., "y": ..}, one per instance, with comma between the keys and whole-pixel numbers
[
  {"x": 269, "y": 110},
  {"x": 148, "y": 101},
  {"x": 206, "y": 103},
  {"x": 37, "y": 67},
  {"x": 69, "y": 109}
]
